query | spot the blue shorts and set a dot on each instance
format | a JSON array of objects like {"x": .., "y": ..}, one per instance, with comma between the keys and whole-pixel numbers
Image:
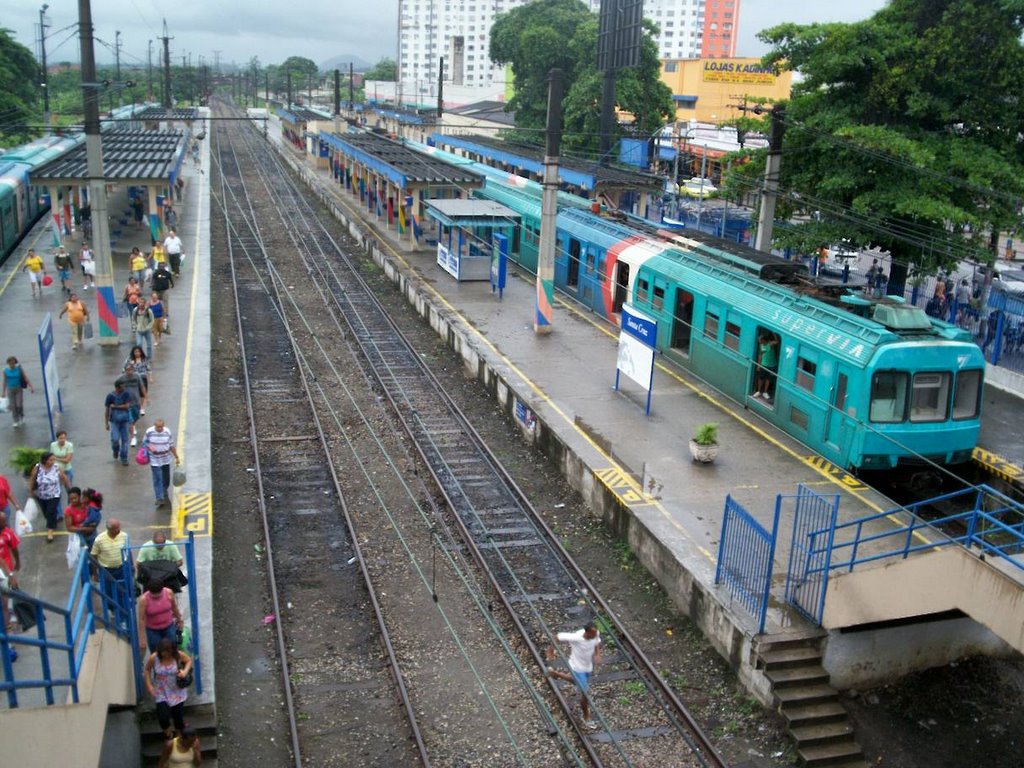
[{"x": 582, "y": 680}]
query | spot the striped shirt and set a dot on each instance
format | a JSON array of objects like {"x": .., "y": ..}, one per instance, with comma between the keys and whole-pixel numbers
[
  {"x": 107, "y": 551},
  {"x": 159, "y": 445}
]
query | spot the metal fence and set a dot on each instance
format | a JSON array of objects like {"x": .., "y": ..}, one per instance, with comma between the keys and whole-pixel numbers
[
  {"x": 746, "y": 552},
  {"x": 60, "y": 634},
  {"x": 814, "y": 523}
]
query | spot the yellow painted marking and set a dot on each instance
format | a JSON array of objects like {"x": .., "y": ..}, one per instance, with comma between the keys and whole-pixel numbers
[
  {"x": 623, "y": 486},
  {"x": 998, "y": 466},
  {"x": 194, "y": 515},
  {"x": 847, "y": 480},
  {"x": 21, "y": 263}
]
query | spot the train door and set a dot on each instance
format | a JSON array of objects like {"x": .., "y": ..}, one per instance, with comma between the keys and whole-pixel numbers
[
  {"x": 621, "y": 286},
  {"x": 836, "y": 421},
  {"x": 572, "y": 278},
  {"x": 682, "y": 321}
]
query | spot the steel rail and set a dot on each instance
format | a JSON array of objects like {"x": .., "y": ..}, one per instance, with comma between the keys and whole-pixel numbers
[
  {"x": 393, "y": 665},
  {"x": 703, "y": 749}
]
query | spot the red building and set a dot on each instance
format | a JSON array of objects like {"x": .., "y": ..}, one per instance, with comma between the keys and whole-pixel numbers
[{"x": 721, "y": 19}]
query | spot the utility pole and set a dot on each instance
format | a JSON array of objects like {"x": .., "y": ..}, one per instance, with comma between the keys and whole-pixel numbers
[
  {"x": 351, "y": 88},
  {"x": 545, "y": 316},
  {"x": 337, "y": 92},
  {"x": 440, "y": 87},
  {"x": 770, "y": 191},
  {"x": 167, "y": 69},
  {"x": 289, "y": 91},
  {"x": 45, "y": 73},
  {"x": 149, "y": 69},
  {"x": 117, "y": 67},
  {"x": 106, "y": 305}
]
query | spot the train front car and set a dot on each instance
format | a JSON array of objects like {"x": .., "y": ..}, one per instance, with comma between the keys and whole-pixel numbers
[{"x": 923, "y": 401}]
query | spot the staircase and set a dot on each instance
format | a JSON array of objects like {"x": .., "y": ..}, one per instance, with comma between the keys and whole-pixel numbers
[
  {"x": 202, "y": 717},
  {"x": 817, "y": 720}
]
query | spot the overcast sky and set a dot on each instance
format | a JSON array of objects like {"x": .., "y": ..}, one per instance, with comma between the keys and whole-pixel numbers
[{"x": 316, "y": 29}]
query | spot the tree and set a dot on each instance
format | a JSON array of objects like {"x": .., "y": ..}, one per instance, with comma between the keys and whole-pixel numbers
[
  {"x": 385, "y": 70},
  {"x": 906, "y": 130},
  {"x": 301, "y": 70},
  {"x": 546, "y": 34},
  {"x": 19, "y": 75}
]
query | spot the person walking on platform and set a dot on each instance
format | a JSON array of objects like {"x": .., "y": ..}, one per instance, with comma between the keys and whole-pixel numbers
[
  {"x": 173, "y": 246},
  {"x": 142, "y": 324},
  {"x": 162, "y": 282},
  {"x": 45, "y": 482},
  {"x": 139, "y": 360},
  {"x": 132, "y": 383},
  {"x": 14, "y": 386},
  {"x": 36, "y": 271},
  {"x": 90, "y": 527},
  {"x": 170, "y": 216},
  {"x": 137, "y": 265},
  {"x": 156, "y": 306},
  {"x": 159, "y": 617},
  {"x": 78, "y": 316},
  {"x": 88, "y": 262},
  {"x": 118, "y": 419},
  {"x": 10, "y": 555},
  {"x": 130, "y": 296},
  {"x": 158, "y": 548},
  {"x": 109, "y": 550},
  {"x": 76, "y": 513},
  {"x": 138, "y": 211},
  {"x": 8, "y": 503},
  {"x": 584, "y": 653},
  {"x": 62, "y": 263},
  {"x": 63, "y": 451},
  {"x": 159, "y": 444}
]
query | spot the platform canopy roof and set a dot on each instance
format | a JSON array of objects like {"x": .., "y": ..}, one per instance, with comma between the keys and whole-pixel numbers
[
  {"x": 128, "y": 156},
  {"x": 159, "y": 113},
  {"x": 400, "y": 164},
  {"x": 462, "y": 212},
  {"x": 579, "y": 173}
]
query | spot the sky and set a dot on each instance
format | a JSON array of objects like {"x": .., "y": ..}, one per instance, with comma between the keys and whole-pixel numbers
[{"x": 316, "y": 29}]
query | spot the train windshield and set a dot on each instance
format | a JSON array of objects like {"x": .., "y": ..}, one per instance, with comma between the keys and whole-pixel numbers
[
  {"x": 889, "y": 397},
  {"x": 929, "y": 400},
  {"x": 967, "y": 397}
]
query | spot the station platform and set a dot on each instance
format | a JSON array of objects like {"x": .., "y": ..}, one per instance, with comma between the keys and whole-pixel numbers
[
  {"x": 1001, "y": 442},
  {"x": 179, "y": 394}
]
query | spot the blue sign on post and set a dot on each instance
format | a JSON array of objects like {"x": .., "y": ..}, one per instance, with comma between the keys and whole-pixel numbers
[
  {"x": 51, "y": 379},
  {"x": 638, "y": 338},
  {"x": 499, "y": 263}
]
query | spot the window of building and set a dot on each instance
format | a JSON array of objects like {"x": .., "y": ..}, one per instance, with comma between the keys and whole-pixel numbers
[{"x": 671, "y": 66}]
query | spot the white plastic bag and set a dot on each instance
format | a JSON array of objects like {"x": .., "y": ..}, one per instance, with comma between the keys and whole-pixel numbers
[
  {"x": 31, "y": 510},
  {"x": 74, "y": 550},
  {"x": 5, "y": 405},
  {"x": 22, "y": 523}
]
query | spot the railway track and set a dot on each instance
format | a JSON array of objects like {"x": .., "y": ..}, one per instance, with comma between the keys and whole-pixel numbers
[
  {"x": 306, "y": 527},
  {"x": 642, "y": 721}
]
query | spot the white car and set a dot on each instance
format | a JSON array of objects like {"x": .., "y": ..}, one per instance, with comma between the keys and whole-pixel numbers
[{"x": 698, "y": 187}]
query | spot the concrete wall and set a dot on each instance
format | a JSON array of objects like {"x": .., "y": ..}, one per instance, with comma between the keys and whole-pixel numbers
[{"x": 44, "y": 733}]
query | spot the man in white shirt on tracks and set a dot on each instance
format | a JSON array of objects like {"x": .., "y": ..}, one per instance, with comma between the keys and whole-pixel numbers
[
  {"x": 584, "y": 653},
  {"x": 172, "y": 247}
]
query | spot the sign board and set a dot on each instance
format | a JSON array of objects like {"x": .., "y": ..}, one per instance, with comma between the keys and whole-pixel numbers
[
  {"x": 448, "y": 260},
  {"x": 499, "y": 263},
  {"x": 638, "y": 338},
  {"x": 737, "y": 71},
  {"x": 51, "y": 379}
]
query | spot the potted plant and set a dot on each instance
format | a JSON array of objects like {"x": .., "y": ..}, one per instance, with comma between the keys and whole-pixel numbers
[
  {"x": 704, "y": 444},
  {"x": 22, "y": 458}
]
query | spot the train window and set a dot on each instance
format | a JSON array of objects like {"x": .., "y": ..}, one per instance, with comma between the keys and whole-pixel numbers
[
  {"x": 805, "y": 373},
  {"x": 711, "y": 325},
  {"x": 889, "y": 397},
  {"x": 643, "y": 290},
  {"x": 967, "y": 396},
  {"x": 732, "y": 336},
  {"x": 798, "y": 417},
  {"x": 589, "y": 260},
  {"x": 929, "y": 400},
  {"x": 659, "y": 297}
]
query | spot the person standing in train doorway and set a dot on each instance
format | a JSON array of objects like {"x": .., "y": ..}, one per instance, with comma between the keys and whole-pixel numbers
[
  {"x": 584, "y": 653},
  {"x": 767, "y": 364}
]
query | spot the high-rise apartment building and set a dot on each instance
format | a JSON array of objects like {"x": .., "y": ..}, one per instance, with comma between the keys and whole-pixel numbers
[{"x": 459, "y": 30}]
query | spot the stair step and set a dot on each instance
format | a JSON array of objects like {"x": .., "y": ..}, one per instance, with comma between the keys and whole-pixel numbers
[
  {"x": 204, "y": 723},
  {"x": 788, "y": 677},
  {"x": 788, "y": 657},
  {"x": 821, "y": 733},
  {"x": 830, "y": 754},
  {"x": 806, "y": 694},
  {"x": 799, "y": 714}
]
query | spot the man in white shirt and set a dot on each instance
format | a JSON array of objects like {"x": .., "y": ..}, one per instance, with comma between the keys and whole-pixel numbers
[
  {"x": 172, "y": 247},
  {"x": 584, "y": 652}
]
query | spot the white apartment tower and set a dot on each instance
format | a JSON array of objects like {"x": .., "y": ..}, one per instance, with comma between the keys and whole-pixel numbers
[{"x": 459, "y": 30}]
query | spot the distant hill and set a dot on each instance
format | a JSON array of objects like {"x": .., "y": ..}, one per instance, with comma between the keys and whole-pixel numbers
[{"x": 342, "y": 62}]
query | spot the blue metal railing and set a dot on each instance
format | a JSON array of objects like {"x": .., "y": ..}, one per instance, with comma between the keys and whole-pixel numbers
[
  {"x": 107, "y": 603},
  {"x": 746, "y": 552},
  {"x": 994, "y": 523},
  {"x": 814, "y": 518}
]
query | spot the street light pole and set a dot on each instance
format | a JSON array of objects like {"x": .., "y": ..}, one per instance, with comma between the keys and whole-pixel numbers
[{"x": 117, "y": 67}]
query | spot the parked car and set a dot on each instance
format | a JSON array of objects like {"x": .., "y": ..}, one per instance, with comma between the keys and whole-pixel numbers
[{"x": 698, "y": 187}]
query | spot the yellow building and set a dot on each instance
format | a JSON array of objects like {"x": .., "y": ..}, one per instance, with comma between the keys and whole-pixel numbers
[{"x": 708, "y": 90}]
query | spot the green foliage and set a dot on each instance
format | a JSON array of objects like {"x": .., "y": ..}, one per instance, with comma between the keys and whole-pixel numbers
[
  {"x": 301, "y": 69},
  {"x": 706, "y": 434},
  {"x": 384, "y": 70},
  {"x": 19, "y": 94},
  {"x": 547, "y": 34},
  {"x": 23, "y": 458},
  {"x": 905, "y": 131}
]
